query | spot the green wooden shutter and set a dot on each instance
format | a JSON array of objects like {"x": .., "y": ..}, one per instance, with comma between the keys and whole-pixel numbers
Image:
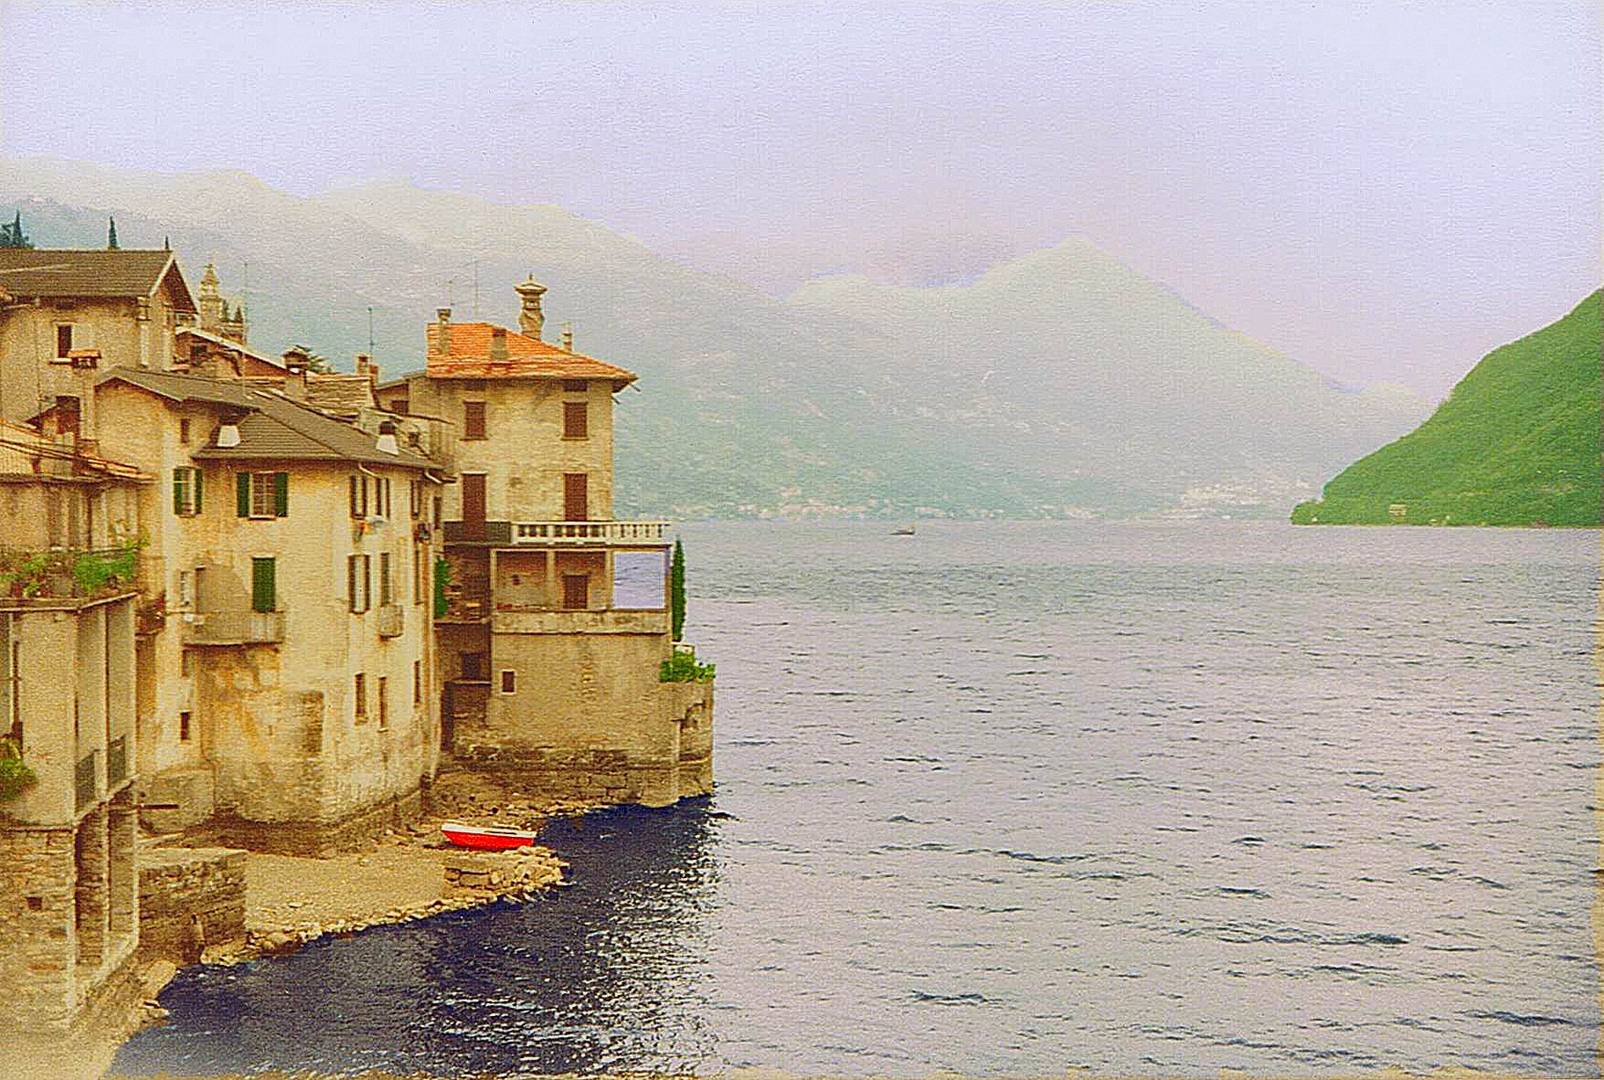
[
  {"x": 178, "y": 490},
  {"x": 242, "y": 494},
  {"x": 264, "y": 584},
  {"x": 281, "y": 494},
  {"x": 350, "y": 580},
  {"x": 198, "y": 477}
]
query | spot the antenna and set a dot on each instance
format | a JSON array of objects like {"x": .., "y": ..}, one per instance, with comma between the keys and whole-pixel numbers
[
  {"x": 476, "y": 287},
  {"x": 450, "y": 289},
  {"x": 370, "y": 330}
]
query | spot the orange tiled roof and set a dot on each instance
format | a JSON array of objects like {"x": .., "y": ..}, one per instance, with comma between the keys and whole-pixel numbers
[{"x": 527, "y": 357}]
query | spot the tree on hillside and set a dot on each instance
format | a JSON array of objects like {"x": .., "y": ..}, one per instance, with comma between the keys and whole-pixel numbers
[
  {"x": 111, "y": 234},
  {"x": 315, "y": 362},
  {"x": 12, "y": 236},
  {"x": 676, "y": 588}
]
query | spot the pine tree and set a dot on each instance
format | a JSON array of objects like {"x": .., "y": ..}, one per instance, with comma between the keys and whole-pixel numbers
[
  {"x": 111, "y": 234},
  {"x": 12, "y": 236},
  {"x": 676, "y": 588}
]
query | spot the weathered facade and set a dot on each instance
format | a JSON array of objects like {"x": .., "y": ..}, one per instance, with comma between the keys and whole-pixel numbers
[
  {"x": 556, "y": 617},
  {"x": 286, "y": 685}
]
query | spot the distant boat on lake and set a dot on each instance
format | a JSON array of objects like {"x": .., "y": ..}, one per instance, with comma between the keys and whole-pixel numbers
[{"x": 902, "y": 530}]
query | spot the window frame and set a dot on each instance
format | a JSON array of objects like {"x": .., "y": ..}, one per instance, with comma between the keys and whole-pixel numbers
[
  {"x": 188, "y": 493},
  {"x": 359, "y": 696},
  {"x": 475, "y": 421},
  {"x": 507, "y": 681},
  {"x": 581, "y": 429}
]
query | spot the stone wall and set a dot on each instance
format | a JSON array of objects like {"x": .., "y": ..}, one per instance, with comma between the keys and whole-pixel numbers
[
  {"x": 189, "y": 899},
  {"x": 314, "y": 837},
  {"x": 37, "y": 899}
]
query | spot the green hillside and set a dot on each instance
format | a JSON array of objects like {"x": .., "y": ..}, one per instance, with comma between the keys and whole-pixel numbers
[{"x": 1516, "y": 443}]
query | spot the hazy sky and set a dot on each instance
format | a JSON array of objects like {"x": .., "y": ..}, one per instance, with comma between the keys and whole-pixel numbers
[{"x": 1384, "y": 190}]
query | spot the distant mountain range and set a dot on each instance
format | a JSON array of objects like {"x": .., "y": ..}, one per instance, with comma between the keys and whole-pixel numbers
[
  {"x": 1516, "y": 443},
  {"x": 1058, "y": 384}
]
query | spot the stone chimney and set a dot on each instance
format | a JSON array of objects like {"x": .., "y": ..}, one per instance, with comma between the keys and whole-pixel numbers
[
  {"x": 441, "y": 345},
  {"x": 210, "y": 301},
  {"x": 366, "y": 366},
  {"x": 530, "y": 318},
  {"x": 568, "y": 337},
  {"x": 498, "y": 344}
]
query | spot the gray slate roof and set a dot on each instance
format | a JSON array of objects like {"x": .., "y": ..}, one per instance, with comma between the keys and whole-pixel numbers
[
  {"x": 63, "y": 272},
  {"x": 272, "y": 427}
]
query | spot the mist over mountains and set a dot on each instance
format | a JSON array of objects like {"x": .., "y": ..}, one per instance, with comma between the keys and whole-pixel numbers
[{"x": 1061, "y": 383}]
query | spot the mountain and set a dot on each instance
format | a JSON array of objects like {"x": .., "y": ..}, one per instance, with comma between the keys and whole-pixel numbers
[
  {"x": 1061, "y": 383},
  {"x": 1515, "y": 443}
]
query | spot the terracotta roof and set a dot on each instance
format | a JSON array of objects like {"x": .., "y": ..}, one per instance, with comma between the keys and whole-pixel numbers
[
  {"x": 272, "y": 426},
  {"x": 19, "y": 445},
  {"x": 53, "y": 272},
  {"x": 527, "y": 357}
]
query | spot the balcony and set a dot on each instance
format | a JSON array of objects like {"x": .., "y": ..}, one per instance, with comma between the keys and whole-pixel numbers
[
  {"x": 392, "y": 620},
  {"x": 86, "y": 780},
  {"x": 117, "y": 761},
  {"x": 239, "y": 627},
  {"x": 589, "y": 533},
  {"x": 558, "y": 533}
]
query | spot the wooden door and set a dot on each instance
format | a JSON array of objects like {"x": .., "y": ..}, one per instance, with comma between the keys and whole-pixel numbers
[
  {"x": 576, "y": 496},
  {"x": 576, "y": 592},
  {"x": 473, "y": 505}
]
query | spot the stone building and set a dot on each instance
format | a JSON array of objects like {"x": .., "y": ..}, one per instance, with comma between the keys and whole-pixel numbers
[
  {"x": 556, "y": 620},
  {"x": 75, "y": 313},
  {"x": 286, "y": 690},
  {"x": 68, "y": 880}
]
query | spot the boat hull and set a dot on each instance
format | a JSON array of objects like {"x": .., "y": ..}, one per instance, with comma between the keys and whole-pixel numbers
[{"x": 466, "y": 836}]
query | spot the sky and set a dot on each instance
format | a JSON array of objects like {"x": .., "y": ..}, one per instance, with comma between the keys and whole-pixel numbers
[{"x": 1382, "y": 190}]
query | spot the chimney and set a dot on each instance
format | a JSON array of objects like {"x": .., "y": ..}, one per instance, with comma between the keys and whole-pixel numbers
[
  {"x": 442, "y": 332},
  {"x": 530, "y": 317},
  {"x": 568, "y": 337},
  {"x": 498, "y": 344},
  {"x": 366, "y": 366},
  {"x": 387, "y": 443}
]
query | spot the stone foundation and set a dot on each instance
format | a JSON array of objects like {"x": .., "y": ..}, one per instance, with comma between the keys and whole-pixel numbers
[
  {"x": 315, "y": 838},
  {"x": 190, "y": 899},
  {"x": 193, "y": 789}
]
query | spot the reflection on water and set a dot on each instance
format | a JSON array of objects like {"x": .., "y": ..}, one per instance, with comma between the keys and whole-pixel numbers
[{"x": 1011, "y": 798}]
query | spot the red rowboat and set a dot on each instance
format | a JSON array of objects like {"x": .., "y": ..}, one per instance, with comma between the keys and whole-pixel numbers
[{"x": 486, "y": 837}]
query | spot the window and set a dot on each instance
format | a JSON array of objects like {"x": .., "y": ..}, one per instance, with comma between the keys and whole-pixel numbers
[
  {"x": 576, "y": 420},
  {"x": 576, "y": 386},
  {"x": 419, "y": 561},
  {"x": 509, "y": 681},
  {"x": 385, "y": 486},
  {"x": 63, "y": 340},
  {"x": 360, "y": 696},
  {"x": 359, "y": 496},
  {"x": 186, "y": 663},
  {"x": 264, "y": 584},
  {"x": 384, "y": 701},
  {"x": 415, "y": 497},
  {"x": 262, "y": 494},
  {"x": 473, "y": 419},
  {"x": 401, "y": 405},
  {"x": 186, "y": 491},
  {"x": 183, "y": 727},
  {"x": 186, "y": 589},
  {"x": 183, "y": 432},
  {"x": 417, "y": 682},
  {"x": 384, "y": 578},
  {"x": 357, "y": 582}
]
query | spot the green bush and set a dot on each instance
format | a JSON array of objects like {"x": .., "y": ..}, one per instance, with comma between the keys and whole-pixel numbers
[
  {"x": 442, "y": 578},
  {"x": 682, "y": 667},
  {"x": 97, "y": 571},
  {"x": 15, "y": 775}
]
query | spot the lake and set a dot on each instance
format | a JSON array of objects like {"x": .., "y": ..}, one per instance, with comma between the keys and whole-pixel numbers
[{"x": 1009, "y": 798}]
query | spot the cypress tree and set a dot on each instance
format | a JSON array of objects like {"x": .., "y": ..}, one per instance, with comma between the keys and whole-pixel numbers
[
  {"x": 676, "y": 588},
  {"x": 111, "y": 234},
  {"x": 12, "y": 236}
]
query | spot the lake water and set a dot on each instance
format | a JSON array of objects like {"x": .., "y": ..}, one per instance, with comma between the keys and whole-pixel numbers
[{"x": 1009, "y": 798}]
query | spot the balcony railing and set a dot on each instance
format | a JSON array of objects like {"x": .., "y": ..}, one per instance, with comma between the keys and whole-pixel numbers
[
  {"x": 392, "y": 620},
  {"x": 589, "y": 532},
  {"x": 117, "y": 761},
  {"x": 86, "y": 780},
  {"x": 235, "y": 627}
]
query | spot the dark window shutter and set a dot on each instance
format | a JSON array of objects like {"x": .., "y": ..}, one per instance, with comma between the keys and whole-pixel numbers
[
  {"x": 367, "y": 582},
  {"x": 242, "y": 494},
  {"x": 353, "y": 496},
  {"x": 350, "y": 580},
  {"x": 178, "y": 492},
  {"x": 281, "y": 494},
  {"x": 198, "y": 477},
  {"x": 264, "y": 584}
]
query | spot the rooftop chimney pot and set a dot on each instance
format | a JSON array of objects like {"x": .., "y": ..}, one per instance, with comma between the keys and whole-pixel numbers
[{"x": 530, "y": 318}]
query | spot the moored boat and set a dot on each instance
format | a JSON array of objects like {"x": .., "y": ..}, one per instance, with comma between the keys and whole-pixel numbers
[{"x": 486, "y": 837}]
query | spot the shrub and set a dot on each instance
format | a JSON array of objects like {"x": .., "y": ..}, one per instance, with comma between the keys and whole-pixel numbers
[
  {"x": 683, "y": 667},
  {"x": 15, "y": 775}
]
